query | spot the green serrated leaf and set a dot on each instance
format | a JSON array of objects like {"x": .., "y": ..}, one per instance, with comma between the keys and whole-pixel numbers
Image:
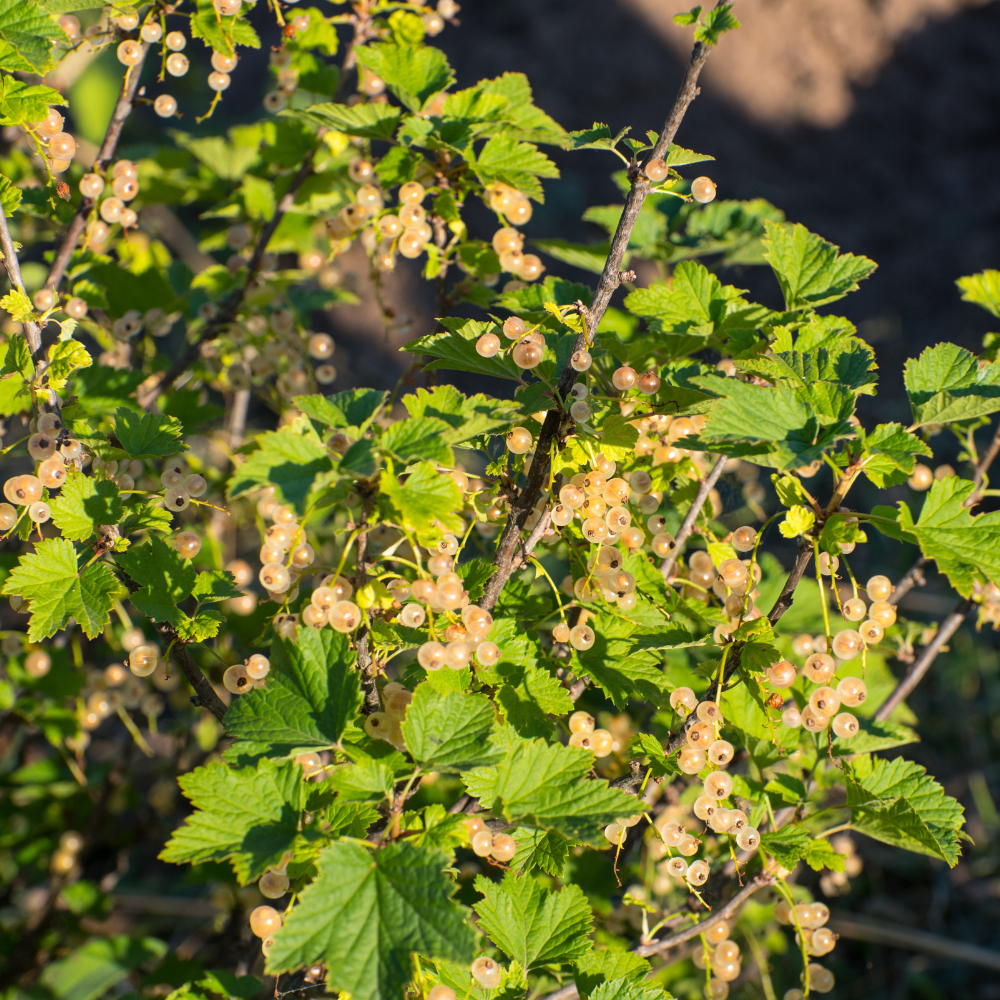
[
  {"x": 810, "y": 271},
  {"x": 248, "y": 817},
  {"x": 149, "y": 435},
  {"x": 414, "y": 73},
  {"x": 312, "y": 691},
  {"x": 58, "y": 590},
  {"x": 85, "y": 502},
  {"x": 532, "y": 925},
  {"x": 366, "y": 914},
  {"x": 447, "y": 732}
]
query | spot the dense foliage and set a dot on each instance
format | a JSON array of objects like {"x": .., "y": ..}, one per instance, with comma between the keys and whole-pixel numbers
[{"x": 490, "y": 695}]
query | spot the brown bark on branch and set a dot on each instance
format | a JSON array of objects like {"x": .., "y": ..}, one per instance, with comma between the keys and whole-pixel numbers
[
  {"x": 687, "y": 525},
  {"x": 923, "y": 662},
  {"x": 557, "y": 421},
  {"x": 123, "y": 108},
  {"x": 32, "y": 333}
]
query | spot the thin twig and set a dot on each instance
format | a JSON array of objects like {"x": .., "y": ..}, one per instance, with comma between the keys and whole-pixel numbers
[
  {"x": 556, "y": 420},
  {"x": 32, "y": 333},
  {"x": 123, "y": 108},
  {"x": 687, "y": 525},
  {"x": 914, "y": 577},
  {"x": 981, "y": 468},
  {"x": 895, "y": 936},
  {"x": 923, "y": 662},
  {"x": 785, "y": 598}
]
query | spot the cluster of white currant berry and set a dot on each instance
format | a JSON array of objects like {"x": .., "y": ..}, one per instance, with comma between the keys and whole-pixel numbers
[
  {"x": 487, "y": 844},
  {"x": 720, "y": 955},
  {"x": 660, "y": 433},
  {"x": 703, "y": 189},
  {"x": 263, "y": 344},
  {"x": 809, "y": 920},
  {"x": 385, "y": 725},
  {"x": 923, "y": 476}
]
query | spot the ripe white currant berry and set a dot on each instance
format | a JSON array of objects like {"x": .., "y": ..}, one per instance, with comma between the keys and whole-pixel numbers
[
  {"x": 921, "y": 479},
  {"x": 744, "y": 538},
  {"x": 703, "y": 190},
  {"x": 847, "y": 644},
  {"x": 581, "y": 361},
  {"x": 697, "y": 873},
  {"x": 345, "y": 616},
  {"x": 142, "y": 660},
  {"x": 691, "y": 760},
  {"x": 879, "y": 588},
  {"x": 708, "y": 711},
  {"x": 236, "y": 680},
  {"x": 683, "y": 700},
  {"x": 441, "y": 992},
  {"x": 178, "y": 64},
  {"x": 699, "y": 735},
  {"x": 487, "y": 654},
  {"x": 820, "y": 979},
  {"x": 624, "y": 378},
  {"x": 791, "y": 718},
  {"x": 488, "y": 345},
  {"x": 258, "y": 667},
  {"x": 648, "y": 383},
  {"x": 656, "y": 170},
  {"x": 431, "y": 655},
  {"x": 812, "y": 721},
  {"x": 854, "y": 609},
  {"x": 273, "y": 885},
  {"x": 37, "y": 663},
  {"x": 845, "y": 725},
  {"x": 820, "y": 667},
  {"x": 852, "y": 691},
  {"x": 822, "y": 942},
  {"x": 782, "y": 674},
  {"x": 188, "y": 544},
  {"x": 504, "y": 847},
  {"x": 883, "y": 613},
  {"x": 721, "y": 752},
  {"x": 824, "y": 701},
  {"x": 526, "y": 354},
  {"x": 519, "y": 440},
  {"x": 485, "y": 971},
  {"x": 265, "y": 921},
  {"x": 52, "y": 472},
  {"x": 718, "y": 785},
  {"x": 871, "y": 631},
  {"x": 482, "y": 842}
]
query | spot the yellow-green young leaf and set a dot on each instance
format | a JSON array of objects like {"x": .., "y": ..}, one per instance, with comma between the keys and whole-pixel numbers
[
  {"x": 810, "y": 271},
  {"x": 10, "y": 198},
  {"x": 983, "y": 289},
  {"x": 248, "y": 817},
  {"x": 533, "y": 925},
  {"x": 898, "y": 803},
  {"x": 366, "y": 914},
  {"x": 18, "y": 305},
  {"x": 618, "y": 438},
  {"x": 797, "y": 521},
  {"x": 792, "y": 844},
  {"x": 447, "y": 732},
  {"x": 66, "y": 357},
  {"x": 91, "y": 970},
  {"x": 312, "y": 692},
  {"x": 50, "y": 579},
  {"x": 258, "y": 197},
  {"x": 83, "y": 503},
  {"x": 18, "y": 359},
  {"x": 456, "y": 350},
  {"x": 892, "y": 452}
]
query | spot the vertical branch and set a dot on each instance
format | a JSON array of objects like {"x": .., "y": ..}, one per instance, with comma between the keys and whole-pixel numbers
[
  {"x": 123, "y": 108},
  {"x": 32, "y": 333},
  {"x": 365, "y": 664},
  {"x": 555, "y": 422},
  {"x": 687, "y": 525}
]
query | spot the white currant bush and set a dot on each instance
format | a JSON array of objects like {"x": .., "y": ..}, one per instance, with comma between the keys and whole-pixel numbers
[{"x": 428, "y": 666}]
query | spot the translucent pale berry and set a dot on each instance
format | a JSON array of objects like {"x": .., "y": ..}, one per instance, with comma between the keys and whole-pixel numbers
[
  {"x": 847, "y": 644},
  {"x": 235, "y": 679},
  {"x": 871, "y": 631},
  {"x": 703, "y": 189},
  {"x": 513, "y": 327},
  {"x": 485, "y": 971},
  {"x": 265, "y": 921},
  {"x": 142, "y": 660},
  {"x": 845, "y": 725},
  {"x": 721, "y": 752},
  {"x": 854, "y": 609},
  {"x": 718, "y": 785},
  {"x": 879, "y": 588},
  {"x": 487, "y": 654},
  {"x": 656, "y": 170},
  {"x": 581, "y": 361},
  {"x": 744, "y": 539},
  {"x": 526, "y": 354},
  {"x": 37, "y": 663},
  {"x": 820, "y": 667},
  {"x": 624, "y": 378},
  {"x": 344, "y": 616},
  {"x": 824, "y": 701},
  {"x": 482, "y": 843},
  {"x": 782, "y": 674},
  {"x": 273, "y": 885},
  {"x": 708, "y": 711},
  {"x": 275, "y": 577},
  {"x": 883, "y": 612},
  {"x": 697, "y": 873},
  {"x": 921, "y": 479},
  {"x": 601, "y": 742},
  {"x": 691, "y": 760},
  {"x": 700, "y": 735},
  {"x": 258, "y": 667},
  {"x": 582, "y": 637},
  {"x": 683, "y": 698},
  {"x": 177, "y": 64},
  {"x": 504, "y": 847},
  {"x": 791, "y": 718},
  {"x": 852, "y": 691}
]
